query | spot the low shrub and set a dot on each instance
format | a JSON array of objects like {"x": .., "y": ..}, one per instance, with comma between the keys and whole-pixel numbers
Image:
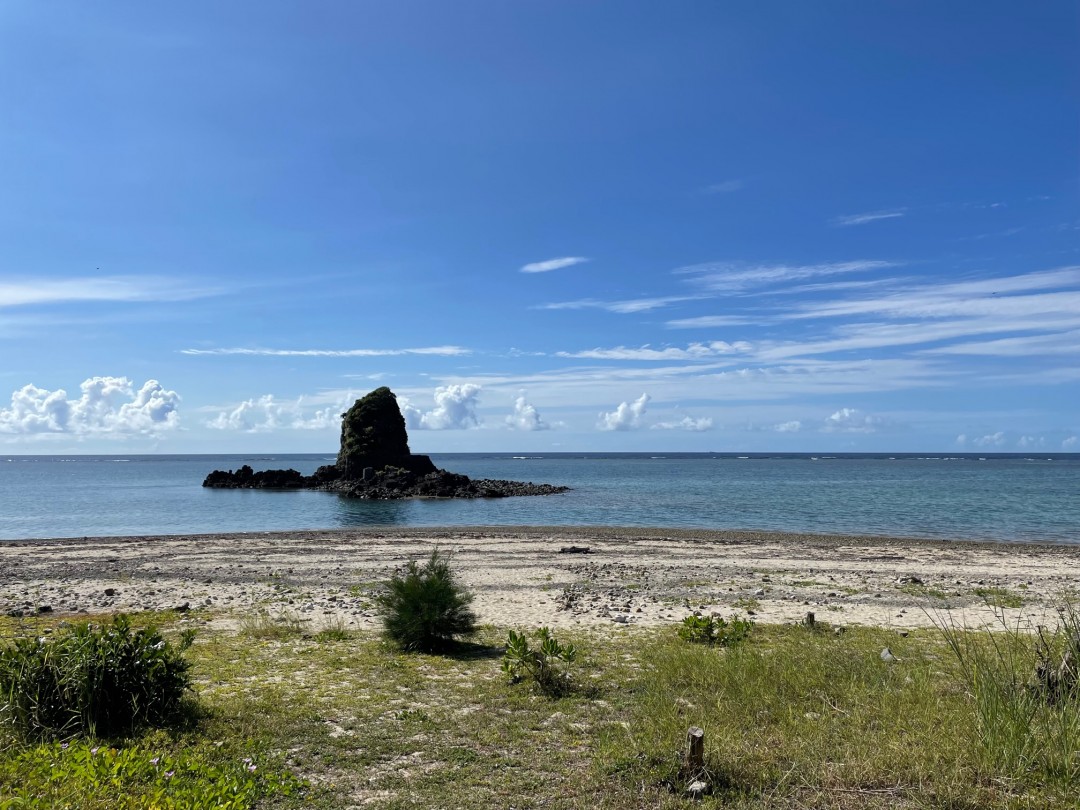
[
  {"x": 714, "y": 630},
  {"x": 546, "y": 665},
  {"x": 101, "y": 680},
  {"x": 424, "y": 609}
]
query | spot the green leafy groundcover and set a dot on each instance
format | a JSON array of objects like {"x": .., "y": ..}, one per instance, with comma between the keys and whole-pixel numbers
[
  {"x": 83, "y": 775},
  {"x": 92, "y": 680}
]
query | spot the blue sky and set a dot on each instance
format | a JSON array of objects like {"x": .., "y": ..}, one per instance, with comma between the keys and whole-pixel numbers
[{"x": 779, "y": 226}]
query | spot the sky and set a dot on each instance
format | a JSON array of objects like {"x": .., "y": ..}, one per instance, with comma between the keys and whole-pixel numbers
[{"x": 546, "y": 226}]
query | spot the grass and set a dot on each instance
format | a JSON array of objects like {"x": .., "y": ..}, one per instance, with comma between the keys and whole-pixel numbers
[
  {"x": 265, "y": 625},
  {"x": 999, "y": 597},
  {"x": 792, "y": 720}
]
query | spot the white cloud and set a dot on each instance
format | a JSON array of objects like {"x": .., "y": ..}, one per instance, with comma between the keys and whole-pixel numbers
[
  {"x": 793, "y": 426},
  {"x": 727, "y": 276},
  {"x": 107, "y": 406},
  {"x": 725, "y": 187},
  {"x": 1030, "y": 442},
  {"x": 625, "y": 417},
  {"x": 686, "y": 423},
  {"x": 553, "y": 264},
  {"x": 961, "y": 439},
  {"x": 709, "y": 322},
  {"x": 869, "y": 216},
  {"x": 991, "y": 440},
  {"x": 15, "y": 293},
  {"x": 525, "y": 416},
  {"x": 852, "y": 420},
  {"x": 627, "y": 307},
  {"x": 455, "y": 409},
  {"x": 442, "y": 351},
  {"x": 267, "y": 414},
  {"x": 695, "y": 351},
  {"x": 1070, "y": 443}
]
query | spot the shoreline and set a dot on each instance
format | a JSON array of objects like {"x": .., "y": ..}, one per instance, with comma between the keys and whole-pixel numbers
[{"x": 631, "y": 577}]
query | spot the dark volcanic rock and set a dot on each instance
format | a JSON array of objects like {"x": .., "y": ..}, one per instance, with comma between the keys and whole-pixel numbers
[
  {"x": 247, "y": 478},
  {"x": 373, "y": 435},
  {"x": 375, "y": 463}
]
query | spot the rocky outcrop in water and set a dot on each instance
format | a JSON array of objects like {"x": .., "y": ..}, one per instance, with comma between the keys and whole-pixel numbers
[{"x": 375, "y": 463}]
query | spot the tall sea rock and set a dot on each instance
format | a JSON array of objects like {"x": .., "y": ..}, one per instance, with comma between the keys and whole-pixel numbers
[{"x": 373, "y": 435}]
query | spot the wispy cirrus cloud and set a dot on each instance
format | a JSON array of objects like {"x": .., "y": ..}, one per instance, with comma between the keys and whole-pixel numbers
[
  {"x": 548, "y": 265},
  {"x": 868, "y": 216},
  {"x": 29, "y": 292},
  {"x": 709, "y": 322},
  {"x": 694, "y": 351},
  {"x": 440, "y": 351},
  {"x": 731, "y": 277},
  {"x": 625, "y": 307},
  {"x": 724, "y": 187}
]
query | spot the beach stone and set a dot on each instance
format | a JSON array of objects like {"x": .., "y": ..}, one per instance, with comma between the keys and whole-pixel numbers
[
  {"x": 697, "y": 789},
  {"x": 110, "y": 591},
  {"x": 887, "y": 656}
]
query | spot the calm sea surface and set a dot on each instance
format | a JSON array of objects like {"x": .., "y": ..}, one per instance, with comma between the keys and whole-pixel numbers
[{"x": 1007, "y": 498}]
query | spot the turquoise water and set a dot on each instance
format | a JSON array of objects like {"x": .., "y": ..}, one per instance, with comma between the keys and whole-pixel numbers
[{"x": 1006, "y": 498}]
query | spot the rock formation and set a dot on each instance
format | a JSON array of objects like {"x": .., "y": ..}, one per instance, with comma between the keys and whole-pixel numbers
[{"x": 375, "y": 462}]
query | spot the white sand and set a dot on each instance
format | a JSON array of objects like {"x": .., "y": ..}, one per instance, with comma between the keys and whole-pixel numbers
[{"x": 631, "y": 576}]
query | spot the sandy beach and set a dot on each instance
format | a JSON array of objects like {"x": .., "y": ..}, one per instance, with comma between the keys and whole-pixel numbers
[{"x": 522, "y": 577}]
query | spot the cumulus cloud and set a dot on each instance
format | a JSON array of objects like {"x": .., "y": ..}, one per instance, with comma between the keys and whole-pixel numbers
[
  {"x": 625, "y": 417},
  {"x": 852, "y": 420},
  {"x": 106, "y": 406},
  {"x": 793, "y": 426},
  {"x": 990, "y": 440},
  {"x": 525, "y": 416},
  {"x": 1030, "y": 442},
  {"x": 686, "y": 423},
  {"x": 266, "y": 414},
  {"x": 1071, "y": 443},
  {"x": 455, "y": 409},
  {"x": 553, "y": 264}
]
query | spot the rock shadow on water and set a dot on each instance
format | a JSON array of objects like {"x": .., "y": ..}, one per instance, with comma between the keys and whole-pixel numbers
[{"x": 375, "y": 463}]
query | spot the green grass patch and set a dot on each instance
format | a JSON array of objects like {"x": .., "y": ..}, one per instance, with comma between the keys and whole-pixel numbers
[
  {"x": 999, "y": 597},
  {"x": 792, "y": 719}
]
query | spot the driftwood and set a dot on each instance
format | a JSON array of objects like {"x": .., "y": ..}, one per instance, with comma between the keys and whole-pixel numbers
[{"x": 575, "y": 550}]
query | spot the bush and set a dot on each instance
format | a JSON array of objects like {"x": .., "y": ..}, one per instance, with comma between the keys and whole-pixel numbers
[
  {"x": 714, "y": 630},
  {"x": 424, "y": 609},
  {"x": 547, "y": 666},
  {"x": 92, "y": 680}
]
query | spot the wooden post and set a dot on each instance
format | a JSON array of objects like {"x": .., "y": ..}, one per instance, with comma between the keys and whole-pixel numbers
[
  {"x": 695, "y": 750},
  {"x": 809, "y": 621}
]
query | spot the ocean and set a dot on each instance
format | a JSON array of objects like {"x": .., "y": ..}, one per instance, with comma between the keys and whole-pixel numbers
[{"x": 1008, "y": 498}]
